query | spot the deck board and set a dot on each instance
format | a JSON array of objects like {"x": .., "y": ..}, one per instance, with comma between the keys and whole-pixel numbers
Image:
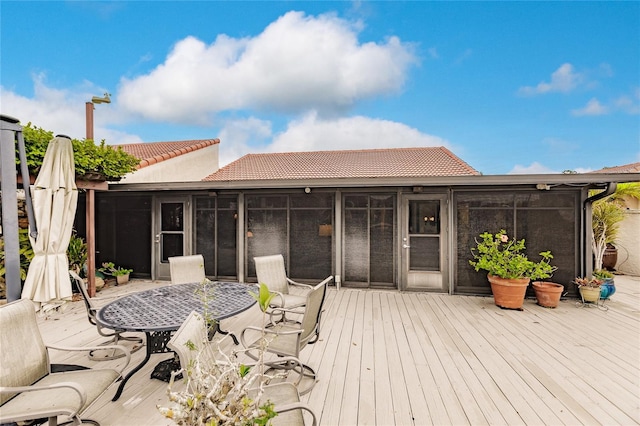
[{"x": 403, "y": 358}]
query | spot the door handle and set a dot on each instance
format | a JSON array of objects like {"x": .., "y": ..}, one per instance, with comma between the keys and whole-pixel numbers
[
  {"x": 406, "y": 246},
  {"x": 157, "y": 238}
]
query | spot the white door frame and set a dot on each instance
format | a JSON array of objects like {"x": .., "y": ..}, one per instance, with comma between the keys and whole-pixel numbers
[
  {"x": 424, "y": 279},
  {"x": 160, "y": 267}
]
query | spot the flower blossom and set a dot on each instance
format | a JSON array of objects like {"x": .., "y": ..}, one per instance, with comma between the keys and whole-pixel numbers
[{"x": 504, "y": 238}]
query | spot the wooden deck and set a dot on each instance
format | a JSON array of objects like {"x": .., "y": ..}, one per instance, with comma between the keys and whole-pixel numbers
[{"x": 393, "y": 358}]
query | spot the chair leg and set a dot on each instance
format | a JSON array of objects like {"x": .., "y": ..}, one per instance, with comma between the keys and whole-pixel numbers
[
  {"x": 76, "y": 421},
  {"x": 304, "y": 371},
  {"x": 109, "y": 354}
]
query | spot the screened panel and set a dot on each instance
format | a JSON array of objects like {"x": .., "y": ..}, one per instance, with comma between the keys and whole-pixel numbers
[
  {"x": 172, "y": 216},
  {"x": 216, "y": 231},
  {"x": 267, "y": 202},
  {"x": 424, "y": 253},
  {"x": 356, "y": 245},
  {"x": 424, "y": 217},
  {"x": 471, "y": 222},
  {"x": 313, "y": 200},
  {"x": 171, "y": 245},
  {"x": 123, "y": 232},
  {"x": 368, "y": 239},
  {"x": 205, "y": 221},
  {"x": 266, "y": 235},
  {"x": 382, "y": 262},
  {"x": 532, "y": 215},
  {"x": 310, "y": 251},
  {"x": 226, "y": 243},
  {"x": 563, "y": 245}
]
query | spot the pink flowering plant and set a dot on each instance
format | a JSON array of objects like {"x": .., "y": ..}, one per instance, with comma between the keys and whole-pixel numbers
[{"x": 504, "y": 258}]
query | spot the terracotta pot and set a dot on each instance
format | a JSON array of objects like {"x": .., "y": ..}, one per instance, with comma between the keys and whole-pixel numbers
[
  {"x": 590, "y": 294},
  {"x": 508, "y": 293},
  {"x": 548, "y": 294},
  {"x": 610, "y": 258}
]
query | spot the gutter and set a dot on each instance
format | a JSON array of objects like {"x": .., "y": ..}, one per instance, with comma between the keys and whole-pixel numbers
[{"x": 586, "y": 208}]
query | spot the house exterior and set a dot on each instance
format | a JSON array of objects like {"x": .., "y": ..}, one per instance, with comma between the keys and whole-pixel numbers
[
  {"x": 401, "y": 219},
  {"x": 179, "y": 161},
  {"x": 628, "y": 242}
]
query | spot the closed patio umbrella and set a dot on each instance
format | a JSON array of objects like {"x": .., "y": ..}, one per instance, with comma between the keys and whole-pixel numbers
[{"x": 55, "y": 198}]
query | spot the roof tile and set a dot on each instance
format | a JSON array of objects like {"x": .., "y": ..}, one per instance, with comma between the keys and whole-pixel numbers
[
  {"x": 398, "y": 162},
  {"x": 155, "y": 152},
  {"x": 627, "y": 168}
]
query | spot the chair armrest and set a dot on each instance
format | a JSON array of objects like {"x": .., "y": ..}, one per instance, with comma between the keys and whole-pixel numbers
[
  {"x": 120, "y": 348},
  {"x": 292, "y": 282},
  {"x": 266, "y": 331},
  {"x": 277, "y": 294},
  {"x": 297, "y": 406},
  {"x": 282, "y": 311},
  {"x": 82, "y": 394},
  {"x": 325, "y": 281}
]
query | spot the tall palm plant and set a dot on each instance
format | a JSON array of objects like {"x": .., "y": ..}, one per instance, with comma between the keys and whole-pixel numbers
[{"x": 606, "y": 217}]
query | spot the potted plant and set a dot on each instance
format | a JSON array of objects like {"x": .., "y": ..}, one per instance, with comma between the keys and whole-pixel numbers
[
  {"x": 608, "y": 287},
  {"x": 77, "y": 254},
  {"x": 606, "y": 216},
  {"x": 121, "y": 274},
  {"x": 509, "y": 270},
  {"x": 219, "y": 389},
  {"x": 547, "y": 293},
  {"x": 589, "y": 288}
]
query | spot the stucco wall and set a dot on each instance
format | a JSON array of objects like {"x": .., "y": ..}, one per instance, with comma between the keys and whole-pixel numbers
[
  {"x": 628, "y": 244},
  {"x": 192, "y": 166}
]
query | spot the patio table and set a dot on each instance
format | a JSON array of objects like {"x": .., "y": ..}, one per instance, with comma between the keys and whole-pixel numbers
[{"x": 159, "y": 312}]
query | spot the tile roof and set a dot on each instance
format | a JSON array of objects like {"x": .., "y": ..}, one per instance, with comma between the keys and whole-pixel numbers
[
  {"x": 398, "y": 162},
  {"x": 627, "y": 168},
  {"x": 155, "y": 152}
]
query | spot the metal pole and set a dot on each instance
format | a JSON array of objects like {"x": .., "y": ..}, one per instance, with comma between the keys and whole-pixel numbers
[
  {"x": 89, "y": 119},
  {"x": 90, "y": 214},
  {"x": 24, "y": 170},
  {"x": 9, "y": 128}
]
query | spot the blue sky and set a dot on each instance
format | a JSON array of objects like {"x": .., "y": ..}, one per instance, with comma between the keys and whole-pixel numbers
[{"x": 510, "y": 87}]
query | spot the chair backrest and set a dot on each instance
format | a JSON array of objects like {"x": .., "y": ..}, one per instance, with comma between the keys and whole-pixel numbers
[
  {"x": 271, "y": 272},
  {"x": 91, "y": 309},
  {"x": 312, "y": 312},
  {"x": 187, "y": 269},
  {"x": 23, "y": 355},
  {"x": 193, "y": 330}
]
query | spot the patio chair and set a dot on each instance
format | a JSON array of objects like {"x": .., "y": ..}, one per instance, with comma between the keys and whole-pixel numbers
[
  {"x": 192, "y": 345},
  {"x": 28, "y": 388},
  {"x": 187, "y": 269},
  {"x": 270, "y": 271},
  {"x": 287, "y": 404},
  {"x": 116, "y": 336},
  {"x": 287, "y": 339},
  {"x": 194, "y": 330}
]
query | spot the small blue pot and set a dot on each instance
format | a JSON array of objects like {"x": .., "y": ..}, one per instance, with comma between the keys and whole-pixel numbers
[{"x": 607, "y": 288}]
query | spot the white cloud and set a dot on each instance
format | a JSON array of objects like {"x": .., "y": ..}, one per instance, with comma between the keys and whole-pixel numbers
[
  {"x": 297, "y": 63},
  {"x": 629, "y": 104},
  {"x": 563, "y": 80},
  {"x": 236, "y": 135},
  {"x": 534, "y": 168},
  {"x": 593, "y": 107},
  {"x": 311, "y": 133},
  {"x": 62, "y": 111}
]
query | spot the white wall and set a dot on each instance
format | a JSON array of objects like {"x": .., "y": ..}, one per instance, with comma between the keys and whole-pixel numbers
[
  {"x": 628, "y": 244},
  {"x": 192, "y": 166}
]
